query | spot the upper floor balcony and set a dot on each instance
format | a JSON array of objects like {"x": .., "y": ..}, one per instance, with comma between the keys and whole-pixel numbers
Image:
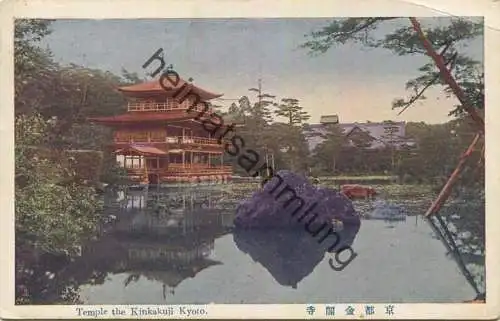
[
  {"x": 168, "y": 105},
  {"x": 172, "y": 140}
]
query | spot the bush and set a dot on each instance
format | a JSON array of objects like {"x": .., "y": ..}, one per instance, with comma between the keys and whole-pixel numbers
[{"x": 55, "y": 212}]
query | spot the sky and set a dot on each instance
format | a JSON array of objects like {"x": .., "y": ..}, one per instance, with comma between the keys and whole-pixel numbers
[{"x": 228, "y": 56}]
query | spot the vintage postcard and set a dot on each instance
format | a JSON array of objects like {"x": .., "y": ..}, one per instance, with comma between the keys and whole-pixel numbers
[{"x": 229, "y": 159}]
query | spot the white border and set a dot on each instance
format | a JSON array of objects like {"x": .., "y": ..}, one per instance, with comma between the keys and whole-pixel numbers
[{"x": 253, "y": 8}]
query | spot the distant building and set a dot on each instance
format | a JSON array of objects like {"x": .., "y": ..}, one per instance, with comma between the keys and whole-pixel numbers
[
  {"x": 381, "y": 133},
  {"x": 329, "y": 119}
]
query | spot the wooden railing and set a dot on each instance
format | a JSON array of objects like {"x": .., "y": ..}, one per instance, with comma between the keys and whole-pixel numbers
[
  {"x": 141, "y": 138},
  {"x": 176, "y": 167},
  {"x": 195, "y": 165},
  {"x": 198, "y": 168},
  {"x": 164, "y": 106}
]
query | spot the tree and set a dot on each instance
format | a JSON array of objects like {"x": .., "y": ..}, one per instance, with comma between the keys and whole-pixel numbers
[
  {"x": 392, "y": 139},
  {"x": 56, "y": 209},
  {"x": 360, "y": 138},
  {"x": 28, "y": 56},
  {"x": 261, "y": 118},
  {"x": 326, "y": 154},
  {"x": 30, "y": 61},
  {"x": 292, "y": 111},
  {"x": 46, "y": 197},
  {"x": 448, "y": 39},
  {"x": 293, "y": 141},
  {"x": 261, "y": 108},
  {"x": 55, "y": 212},
  {"x": 290, "y": 143},
  {"x": 130, "y": 77}
]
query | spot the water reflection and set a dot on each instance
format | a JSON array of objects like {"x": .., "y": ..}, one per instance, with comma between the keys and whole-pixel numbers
[
  {"x": 158, "y": 239},
  {"x": 170, "y": 265},
  {"x": 165, "y": 236},
  {"x": 289, "y": 256},
  {"x": 170, "y": 234}
]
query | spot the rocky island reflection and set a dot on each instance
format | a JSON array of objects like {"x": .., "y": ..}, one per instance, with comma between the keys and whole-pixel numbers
[
  {"x": 178, "y": 246},
  {"x": 289, "y": 256}
]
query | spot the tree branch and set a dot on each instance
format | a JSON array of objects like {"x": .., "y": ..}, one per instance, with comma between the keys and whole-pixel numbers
[
  {"x": 447, "y": 77},
  {"x": 431, "y": 82}
]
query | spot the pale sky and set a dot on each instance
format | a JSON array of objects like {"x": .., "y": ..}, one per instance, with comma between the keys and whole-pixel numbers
[{"x": 229, "y": 55}]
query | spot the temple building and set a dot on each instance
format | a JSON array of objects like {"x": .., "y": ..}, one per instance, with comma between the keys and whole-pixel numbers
[{"x": 158, "y": 140}]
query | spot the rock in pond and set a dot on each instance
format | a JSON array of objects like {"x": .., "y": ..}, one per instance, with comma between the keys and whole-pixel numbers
[{"x": 288, "y": 200}]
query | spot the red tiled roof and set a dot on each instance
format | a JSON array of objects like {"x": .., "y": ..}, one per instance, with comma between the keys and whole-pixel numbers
[
  {"x": 154, "y": 116},
  {"x": 153, "y": 87},
  {"x": 143, "y": 116}
]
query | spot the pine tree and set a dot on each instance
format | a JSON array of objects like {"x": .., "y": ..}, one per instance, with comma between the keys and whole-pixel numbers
[
  {"x": 261, "y": 109},
  {"x": 326, "y": 154},
  {"x": 292, "y": 111}
]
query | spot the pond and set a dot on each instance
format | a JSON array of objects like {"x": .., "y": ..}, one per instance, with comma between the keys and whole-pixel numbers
[{"x": 177, "y": 246}]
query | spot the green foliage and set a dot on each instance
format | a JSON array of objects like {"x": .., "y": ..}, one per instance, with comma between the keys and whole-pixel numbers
[
  {"x": 65, "y": 94},
  {"x": 342, "y": 31},
  {"x": 448, "y": 36},
  {"x": 56, "y": 203},
  {"x": 285, "y": 142},
  {"x": 86, "y": 164},
  {"x": 130, "y": 77},
  {"x": 29, "y": 59},
  {"x": 435, "y": 153},
  {"x": 69, "y": 95},
  {"x": 360, "y": 138},
  {"x": 327, "y": 153},
  {"x": 112, "y": 173},
  {"x": 291, "y": 146},
  {"x": 53, "y": 212},
  {"x": 292, "y": 111}
]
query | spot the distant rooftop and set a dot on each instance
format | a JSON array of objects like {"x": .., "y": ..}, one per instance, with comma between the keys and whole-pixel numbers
[
  {"x": 377, "y": 130},
  {"x": 329, "y": 119}
]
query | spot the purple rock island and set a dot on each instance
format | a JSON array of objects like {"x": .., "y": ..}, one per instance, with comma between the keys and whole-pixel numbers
[{"x": 289, "y": 201}]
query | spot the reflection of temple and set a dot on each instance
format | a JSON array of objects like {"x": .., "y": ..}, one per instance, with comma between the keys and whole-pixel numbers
[
  {"x": 167, "y": 245},
  {"x": 168, "y": 212},
  {"x": 169, "y": 263},
  {"x": 171, "y": 236}
]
